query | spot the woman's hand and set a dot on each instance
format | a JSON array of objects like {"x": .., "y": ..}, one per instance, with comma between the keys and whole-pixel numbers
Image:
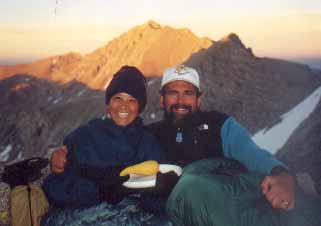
[{"x": 58, "y": 160}]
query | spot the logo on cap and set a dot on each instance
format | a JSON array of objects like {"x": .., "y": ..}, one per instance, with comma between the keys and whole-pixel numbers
[{"x": 181, "y": 70}]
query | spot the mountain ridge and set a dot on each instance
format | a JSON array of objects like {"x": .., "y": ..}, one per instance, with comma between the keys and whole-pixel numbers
[{"x": 145, "y": 46}]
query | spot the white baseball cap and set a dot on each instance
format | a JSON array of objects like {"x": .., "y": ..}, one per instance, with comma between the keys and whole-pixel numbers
[{"x": 181, "y": 73}]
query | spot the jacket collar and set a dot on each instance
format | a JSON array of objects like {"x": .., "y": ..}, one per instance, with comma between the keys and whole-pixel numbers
[{"x": 109, "y": 125}]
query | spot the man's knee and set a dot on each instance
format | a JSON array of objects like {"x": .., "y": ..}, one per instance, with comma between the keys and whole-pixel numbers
[{"x": 188, "y": 201}]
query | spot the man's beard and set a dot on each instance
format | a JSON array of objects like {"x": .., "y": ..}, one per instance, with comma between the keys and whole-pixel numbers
[{"x": 176, "y": 119}]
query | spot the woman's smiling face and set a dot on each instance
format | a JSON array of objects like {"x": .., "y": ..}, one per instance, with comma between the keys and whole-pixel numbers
[{"x": 123, "y": 109}]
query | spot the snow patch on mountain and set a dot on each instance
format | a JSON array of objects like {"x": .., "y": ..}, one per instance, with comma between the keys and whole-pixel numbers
[
  {"x": 5, "y": 154},
  {"x": 56, "y": 101},
  {"x": 80, "y": 93},
  {"x": 276, "y": 137}
]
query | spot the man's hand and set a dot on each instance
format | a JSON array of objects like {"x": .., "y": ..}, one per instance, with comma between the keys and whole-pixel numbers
[
  {"x": 58, "y": 160},
  {"x": 279, "y": 190}
]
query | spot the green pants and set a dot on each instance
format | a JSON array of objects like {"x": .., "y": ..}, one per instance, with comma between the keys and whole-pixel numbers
[{"x": 207, "y": 194}]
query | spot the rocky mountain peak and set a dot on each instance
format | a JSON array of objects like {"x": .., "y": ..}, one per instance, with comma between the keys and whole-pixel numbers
[
  {"x": 150, "y": 46},
  {"x": 233, "y": 38},
  {"x": 146, "y": 46},
  {"x": 154, "y": 25}
]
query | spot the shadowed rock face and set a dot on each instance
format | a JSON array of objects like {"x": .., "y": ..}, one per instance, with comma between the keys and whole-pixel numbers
[
  {"x": 302, "y": 152},
  {"x": 38, "y": 110},
  {"x": 37, "y": 114}
]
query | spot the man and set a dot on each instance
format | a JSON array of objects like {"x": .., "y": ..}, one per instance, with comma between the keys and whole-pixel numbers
[
  {"x": 189, "y": 134},
  {"x": 201, "y": 197}
]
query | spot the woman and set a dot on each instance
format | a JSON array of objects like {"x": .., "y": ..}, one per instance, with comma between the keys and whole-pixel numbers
[{"x": 99, "y": 150}]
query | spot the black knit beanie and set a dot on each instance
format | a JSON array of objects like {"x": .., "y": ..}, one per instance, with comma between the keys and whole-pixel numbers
[{"x": 128, "y": 80}]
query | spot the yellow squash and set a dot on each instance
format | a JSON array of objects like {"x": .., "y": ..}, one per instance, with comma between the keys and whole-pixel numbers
[{"x": 146, "y": 168}]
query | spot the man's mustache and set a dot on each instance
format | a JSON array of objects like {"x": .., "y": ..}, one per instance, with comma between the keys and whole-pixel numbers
[{"x": 182, "y": 106}]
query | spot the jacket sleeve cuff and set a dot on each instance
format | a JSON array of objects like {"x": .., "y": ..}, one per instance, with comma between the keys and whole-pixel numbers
[{"x": 278, "y": 170}]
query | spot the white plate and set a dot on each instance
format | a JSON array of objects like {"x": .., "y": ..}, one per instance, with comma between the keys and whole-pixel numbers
[{"x": 139, "y": 181}]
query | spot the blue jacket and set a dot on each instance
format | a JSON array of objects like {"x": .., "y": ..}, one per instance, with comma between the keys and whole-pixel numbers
[
  {"x": 100, "y": 143},
  {"x": 238, "y": 144}
]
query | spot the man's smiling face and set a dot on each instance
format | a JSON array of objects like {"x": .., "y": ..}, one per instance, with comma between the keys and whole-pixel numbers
[{"x": 180, "y": 99}]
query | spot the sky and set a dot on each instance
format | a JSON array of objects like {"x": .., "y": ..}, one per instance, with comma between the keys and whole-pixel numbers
[{"x": 34, "y": 29}]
